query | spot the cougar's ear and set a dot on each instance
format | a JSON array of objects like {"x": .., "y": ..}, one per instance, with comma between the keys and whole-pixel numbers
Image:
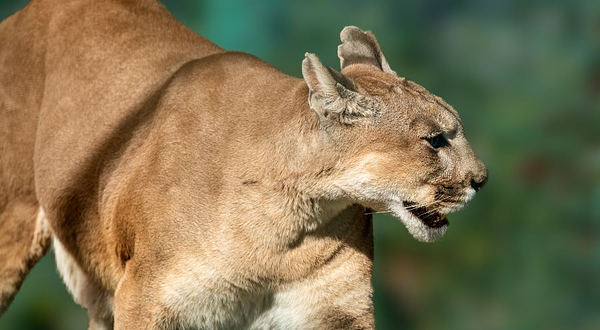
[
  {"x": 332, "y": 95},
  {"x": 361, "y": 47}
]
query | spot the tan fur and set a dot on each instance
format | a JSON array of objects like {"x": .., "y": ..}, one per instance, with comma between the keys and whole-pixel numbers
[{"x": 188, "y": 186}]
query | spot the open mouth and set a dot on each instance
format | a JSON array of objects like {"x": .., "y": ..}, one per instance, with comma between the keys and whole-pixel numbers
[{"x": 430, "y": 218}]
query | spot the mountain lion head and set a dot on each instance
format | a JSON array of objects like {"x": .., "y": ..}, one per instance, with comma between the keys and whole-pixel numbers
[{"x": 400, "y": 149}]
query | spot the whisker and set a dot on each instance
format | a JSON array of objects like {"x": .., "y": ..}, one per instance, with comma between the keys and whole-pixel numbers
[
  {"x": 428, "y": 204},
  {"x": 378, "y": 212},
  {"x": 430, "y": 212},
  {"x": 413, "y": 207}
]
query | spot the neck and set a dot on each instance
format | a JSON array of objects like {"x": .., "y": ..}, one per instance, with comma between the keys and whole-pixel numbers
[{"x": 296, "y": 169}]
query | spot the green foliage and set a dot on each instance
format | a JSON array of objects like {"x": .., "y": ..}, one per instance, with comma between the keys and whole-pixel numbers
[{"x": 525, "y": 76}]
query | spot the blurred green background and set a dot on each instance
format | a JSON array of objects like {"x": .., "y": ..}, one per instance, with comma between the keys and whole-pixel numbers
[{"x": 525, "y": 77}]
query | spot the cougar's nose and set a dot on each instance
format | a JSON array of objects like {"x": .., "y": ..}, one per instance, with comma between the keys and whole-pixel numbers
[
  {"x": 478, "y": 183},
  {"x": 477, "y": 173}
]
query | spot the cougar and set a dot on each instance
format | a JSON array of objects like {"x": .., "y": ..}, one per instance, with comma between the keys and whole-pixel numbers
[{"x": 182, "y": 185}]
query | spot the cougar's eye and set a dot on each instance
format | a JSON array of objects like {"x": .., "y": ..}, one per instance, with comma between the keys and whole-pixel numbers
[{"x": 437, "y": 141}]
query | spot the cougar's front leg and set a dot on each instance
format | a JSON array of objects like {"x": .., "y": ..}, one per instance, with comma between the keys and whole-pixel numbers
[
  {"x": 85, "y": 292},
  {"x": 136, "y": 305},
  {"x": 338, "y": 296}
]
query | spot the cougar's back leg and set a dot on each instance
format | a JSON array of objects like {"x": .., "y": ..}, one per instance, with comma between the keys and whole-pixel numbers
[{"x": 24, "y": 239}]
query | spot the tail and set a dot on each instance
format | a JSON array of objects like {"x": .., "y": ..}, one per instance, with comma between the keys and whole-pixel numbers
[{"x": 24, "y": 239}]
